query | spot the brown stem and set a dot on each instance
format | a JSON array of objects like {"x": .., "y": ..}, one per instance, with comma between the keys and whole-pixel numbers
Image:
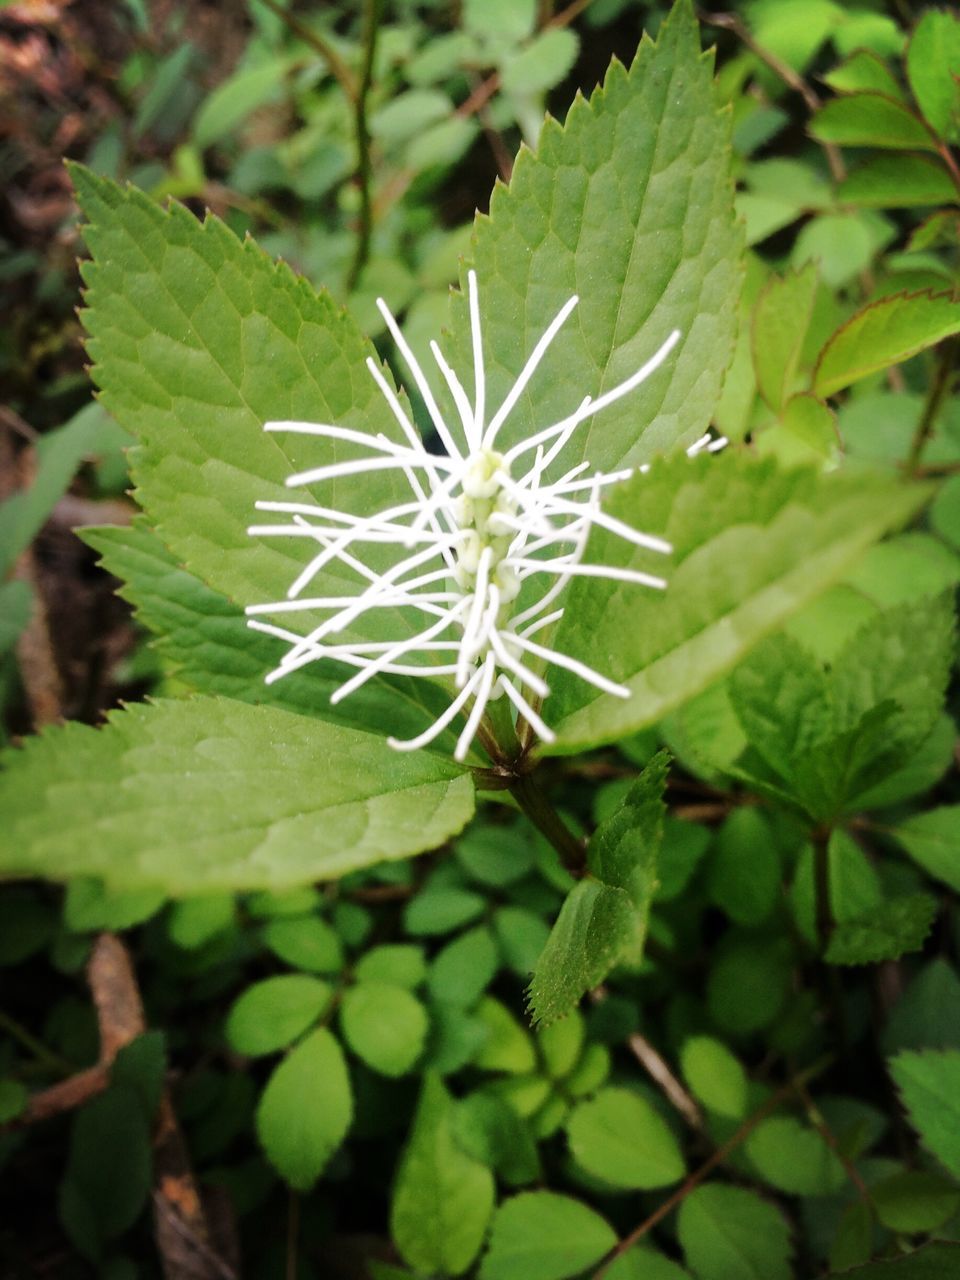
[
  {"x": 937, "y": 393},
  {"x": 711, "y": 1163},
  {"x": 830, "y": 1138},
  {"x": 658, "y": 1069}
]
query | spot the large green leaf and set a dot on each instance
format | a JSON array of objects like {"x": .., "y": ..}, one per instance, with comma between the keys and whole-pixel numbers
[
  {"x": 443, "y": 1197},
  {"x": 205, "y": 642},
  {"x": 728, "y": 1231},
  {"x": 628, "y": 204},
  {"x": 882, "y": 334},
  {"x": 198, "y": 340},
  {"x": 621, "y": 1138},
  {"x": 261, "y": 798},
  {"x": 933, "y": 65},
  {"x": 751, "y": 545},
  {"x": 539, "y": 1235}
]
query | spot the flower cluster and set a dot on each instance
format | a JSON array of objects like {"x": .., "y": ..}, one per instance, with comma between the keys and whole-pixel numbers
[{"x": 482, "y": 528}]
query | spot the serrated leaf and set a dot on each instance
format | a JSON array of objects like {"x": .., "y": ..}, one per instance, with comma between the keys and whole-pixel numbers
[
  {"x": 779, "y": 325},
  {"x": 933, "y": 840},
  {"x": 929, "y": 1085},
  {"x": 897, "y": 182},
  {"x": 882, "y": 334},
  {"x": 604, "y": 917},
  {"x": 204, "y": 641},
  {"x": 932, "y": 1262},
  {"x": 603, "y": 210},
  {"x": 264, "y": 799},
  {"x": 871, "y": 120},
  {"x": 306, "y": 1109},
  {"x": 443, "y": 1197},
  {"x": 623, "y": 1140},
  {"x": 751, "y": 545},
  {"x": 197, "y": 341},
  {"x": 384, "y": 1025},
  {"x": 729, "y": 1231},
  {"x": 933, "y": 65},
  {"x": 896, "y": 926},
  {"x": 539, "y": 1235}
]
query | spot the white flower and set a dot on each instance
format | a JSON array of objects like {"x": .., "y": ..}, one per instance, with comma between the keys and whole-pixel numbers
[{"x": 481, "y": 527}]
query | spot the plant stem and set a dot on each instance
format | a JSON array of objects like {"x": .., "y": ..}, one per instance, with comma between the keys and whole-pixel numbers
[
  {"x": 338, "y": 68},
  {"x": 30, "y": 1042},
  {"x": 371, "y": 27},
  {"x": 526, "y": 791},
  {"x": 939, "y": 387}
]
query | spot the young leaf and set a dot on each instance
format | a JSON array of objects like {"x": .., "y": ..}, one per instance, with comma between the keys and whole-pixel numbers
[
  {"x": 539, "y": 1235},
  {"x": 255, "y": 790},
  {"x": 384, "y": 1025},
  {"x": 933, "y": 65},
  {"x": 604, "y": 917},
  {"x": 929, "y": 1085},
  {"x": 892, "y": 928},
  {"x": 623, "y": 1140},
  {"x": 603, "y": 210},
  {"x": 306, "y": 1109},
  {"x": 871, "y": 120},
  {"x": 273, "y": 1013},
  {"x": 781, "y": 317},
  {"x": 884, "y": 333},
  {"x": 443, "y": 1198},
  {"x": 750, "y": 546},
  {"x": 715, "y": 1076},
  {"x": 861, "y": 72},
  {"x": 728, "y": 1231}
]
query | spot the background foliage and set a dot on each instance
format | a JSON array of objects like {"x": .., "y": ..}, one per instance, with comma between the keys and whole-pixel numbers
[{"x": 343, "y": 1078}]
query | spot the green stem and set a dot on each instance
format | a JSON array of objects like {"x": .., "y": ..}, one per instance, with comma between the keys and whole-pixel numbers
[
  {"x": 526, "y": 791},
  {"x": 371, "y": 27},
  {"x": 939, "y": 387},
  {"x": 338, "y": 68}
]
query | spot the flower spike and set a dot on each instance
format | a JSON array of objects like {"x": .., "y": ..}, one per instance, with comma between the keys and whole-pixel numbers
[{"x": 476, "y": 534}]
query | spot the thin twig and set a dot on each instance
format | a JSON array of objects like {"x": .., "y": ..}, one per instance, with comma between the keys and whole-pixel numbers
[
  {"x": 657, "y": 1068},
  {"x": 40, "y": 1051},
  {"x": 936, "y": 395},
  {"x": 711, "y": 1163},
  {"x": 830, "y": 1138}
]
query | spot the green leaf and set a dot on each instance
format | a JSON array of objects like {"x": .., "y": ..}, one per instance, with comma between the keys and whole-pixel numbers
[
  {"x": 539, "y": 1235},
  {"x": 442, "y": 1198},
  {"x": 929, "y": 1085},
  {"x": 206, "y": 644},
  {"x": 744, "y": 870},
  {"x": 643, "y": 1263},
  {"x": 883, "y": 334},
  {"x": 197, "y": 341},
  {"x": 602, "y": 209},
  {"x": 409, "y": 114},
  {"x": 489, "y": 1129},
  {"x": 728, "y": 1231},
  {"x": 751, "y": 545},
  {"x": 506, "y": 20},
  {"x": 892, "y": 928},
  {"x": 16, "y": 604},
  {"x": 264, "y": 798},
  {"x": 236, "y": 97},
  {"x": 306, "y": 1109},
  {"x": 507, "y": 1045},
  {"x": 399, "y": 963},
  {"x": 13, "y": 1099},
  {"x": 927, "y": 1015},
  {"x": 384, "y": 1025},
  {"x": 933, "y": 65},
  {"x": 863, "y": 71},
  {"x": 715, "y": 1076},
  {"x": 88, "y": 906},
  {"x": 194, "y": 923},
  {"x": 898, "y": 182},
  {"x": 620, "y": 1138},
  {"x": 932, "y": 1262},
  {"x": 305, "y": 942},
  {"x": 871, "y": 120},
  {"x": 109, "y": 1167},
  {"x": 545, "y": 61},
  {"x": 273, "y": 1013},
  {"x": 461, "y": 972},
  {"x": 748, "y": 983},
  {"x": 932, "y": 839},
  {"x": 441, "y": 909},
  {"x": 781, "y": 317},
  {"x": 914, "y": 1200},
  {"x": 794, "y": 1158},
  {"x": 604, "y": 917}
]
